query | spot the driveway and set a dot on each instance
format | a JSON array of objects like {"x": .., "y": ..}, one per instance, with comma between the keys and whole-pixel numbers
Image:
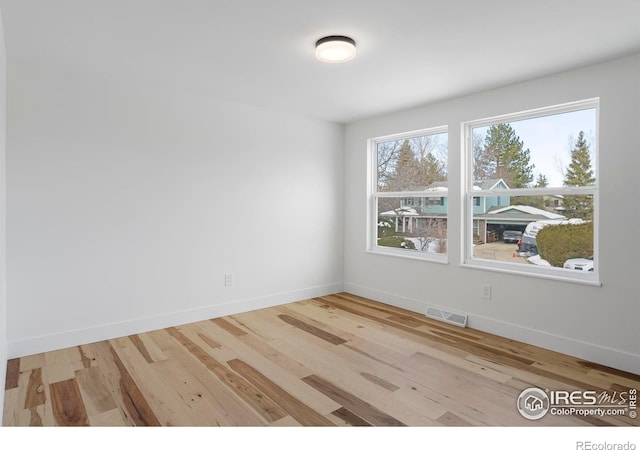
[{"x": 498, "y": 251}]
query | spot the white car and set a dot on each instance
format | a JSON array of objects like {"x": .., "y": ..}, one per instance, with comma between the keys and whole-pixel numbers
[{"x": 585, "y": 264}]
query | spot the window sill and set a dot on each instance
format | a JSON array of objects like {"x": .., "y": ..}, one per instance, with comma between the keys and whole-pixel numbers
[
  {"x": 407, "y": 254},
  {"x": 556, "y": 274}
]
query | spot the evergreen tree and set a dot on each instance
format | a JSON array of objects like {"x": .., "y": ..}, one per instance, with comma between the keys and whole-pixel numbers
[
  {"x": 430, "y": 169},
  {"x": 542, "y": 181},
  {"x": 409, "y": 165},
  {"x": 400, "y": 172},
  {"x": 537, "y": 201},
  {"x": 579, "y": 173},
  {"x": 404, "y": 176},
  {"x": 504, "y": 156},
  {"x": 481, "y": 167}
]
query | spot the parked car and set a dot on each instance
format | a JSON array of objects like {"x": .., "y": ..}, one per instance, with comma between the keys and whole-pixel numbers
[
  {"x": 512, "y": 236},
  {"x": 584, "y": 264}
]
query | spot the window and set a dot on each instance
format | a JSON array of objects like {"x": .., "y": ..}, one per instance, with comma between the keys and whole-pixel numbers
[
  {"x": 434, "y": 201},
  {"x": 534, "y": 172},
  {"x": 408, "y": 192}
]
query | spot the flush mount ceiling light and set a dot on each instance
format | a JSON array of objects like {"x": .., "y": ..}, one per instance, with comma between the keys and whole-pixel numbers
[{"x": 335, "y": 49}]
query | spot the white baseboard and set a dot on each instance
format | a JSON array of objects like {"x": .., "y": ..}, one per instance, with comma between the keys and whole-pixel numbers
[
  {"x": 610, "y": 357},
  {"x": 83, "y": 336}
]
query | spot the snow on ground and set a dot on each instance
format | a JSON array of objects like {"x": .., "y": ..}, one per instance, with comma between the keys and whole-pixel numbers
[
  {"x": 537, "y": 260},
  {"x": 432, "y": 246}
]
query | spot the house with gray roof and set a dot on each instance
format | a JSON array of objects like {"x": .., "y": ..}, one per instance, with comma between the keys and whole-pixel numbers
[{"x": 491, "y": 214}]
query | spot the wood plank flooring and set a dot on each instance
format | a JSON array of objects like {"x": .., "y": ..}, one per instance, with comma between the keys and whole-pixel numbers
[{"x": 338, "y": 360}]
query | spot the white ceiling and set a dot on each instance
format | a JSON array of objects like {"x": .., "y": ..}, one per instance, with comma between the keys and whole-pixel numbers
[{"x": 261, "y": 52}]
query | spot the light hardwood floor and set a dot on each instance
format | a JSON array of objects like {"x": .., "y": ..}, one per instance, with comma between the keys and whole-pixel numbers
[{"x": 338, "y": 360}]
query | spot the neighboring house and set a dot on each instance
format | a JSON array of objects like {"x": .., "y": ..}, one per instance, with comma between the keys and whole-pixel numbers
[
  {"x": 404, "y": 218},
  {"x": 554, "y": 202},
  {"x": 483, "y": 204},
  {"x": 436, "y": 207},
  {"x": 491, "y": 215},
  {"x": 512, "y": 217}
]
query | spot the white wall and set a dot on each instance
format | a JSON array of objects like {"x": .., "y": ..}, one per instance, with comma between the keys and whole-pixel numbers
[
  {"x": 3, "y": 216},
  {"x": 128, "y": 204},
  {"x": 598, "y": 323}
]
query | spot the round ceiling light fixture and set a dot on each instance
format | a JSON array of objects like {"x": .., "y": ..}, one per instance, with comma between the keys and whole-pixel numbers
[{"x": 335, "y": 49}]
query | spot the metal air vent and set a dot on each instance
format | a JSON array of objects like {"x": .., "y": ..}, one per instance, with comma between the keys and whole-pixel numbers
[{"x": 443, "y": 315}]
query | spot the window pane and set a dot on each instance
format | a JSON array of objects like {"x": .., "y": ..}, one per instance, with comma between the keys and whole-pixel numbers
[
  {"x": 411, "y": 164},
  {"x": 420, "y": 227},
  {"x": 545, "y": 230},
  {"x": 550, "y": 151}
]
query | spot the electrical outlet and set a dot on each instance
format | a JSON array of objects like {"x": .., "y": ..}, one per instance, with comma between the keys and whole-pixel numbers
[
  {"x": 486, "y": 292},
  {"x": 228, "y": 279}
]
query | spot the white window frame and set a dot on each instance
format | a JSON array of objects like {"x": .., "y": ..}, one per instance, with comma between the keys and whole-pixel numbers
[
  {"x": 374, "y": 195},
  {"x": 468, "y": 193}
]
